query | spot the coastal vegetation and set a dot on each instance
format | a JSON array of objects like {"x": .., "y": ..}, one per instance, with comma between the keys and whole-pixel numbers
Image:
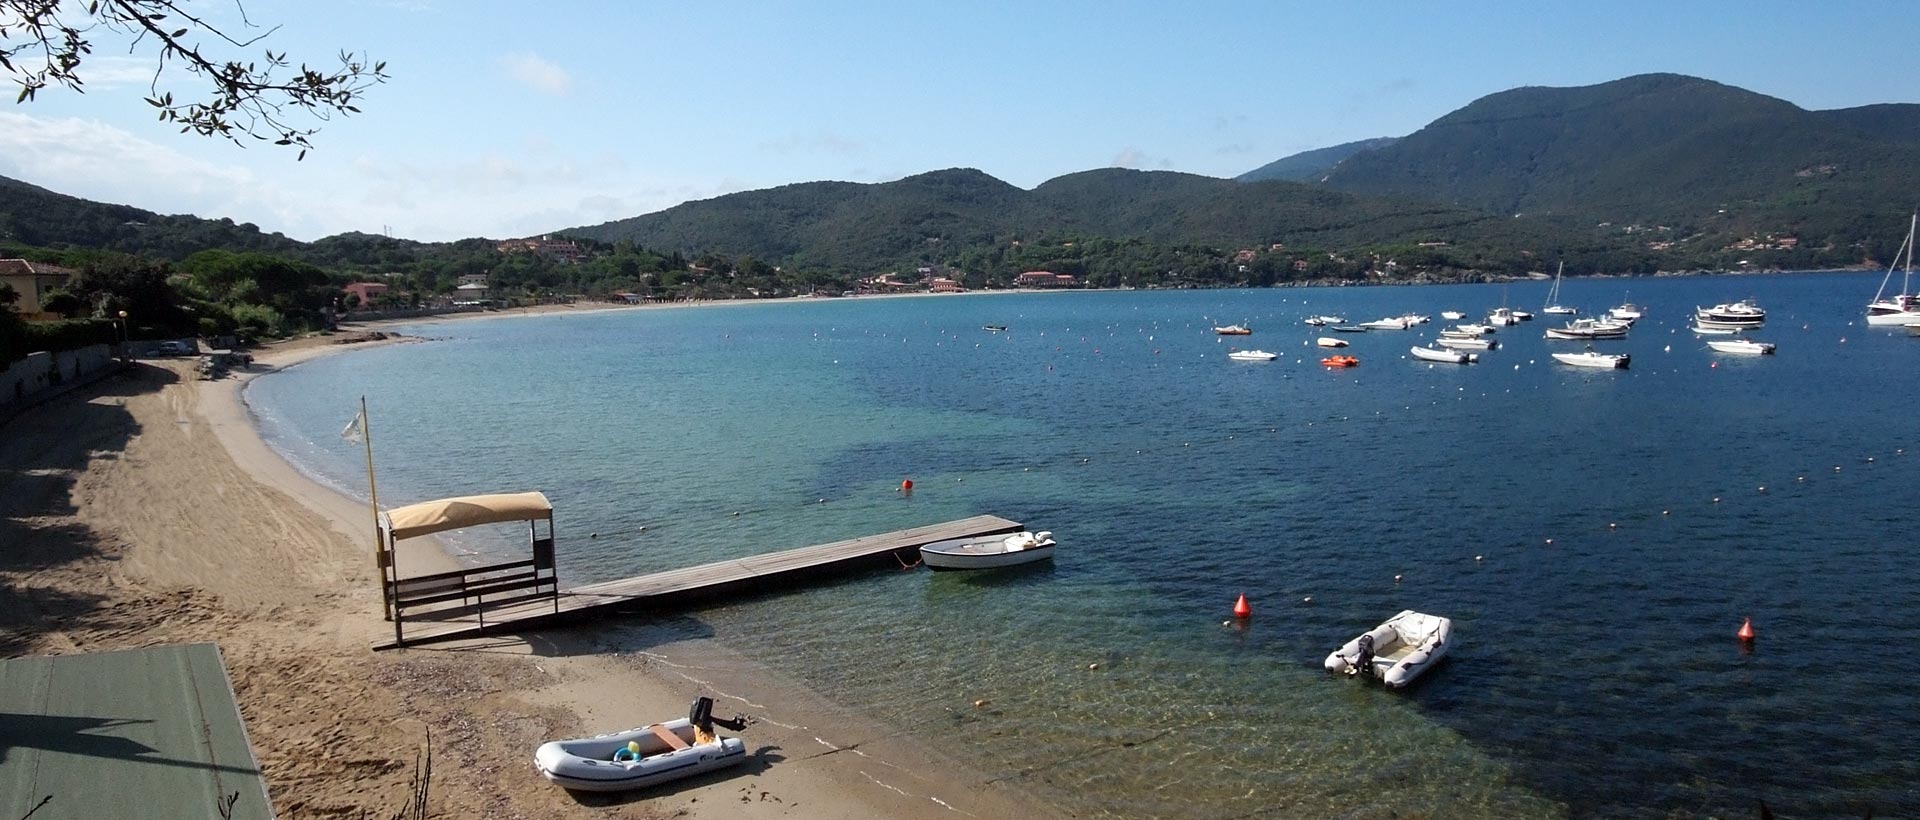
[{"x": 1642, "y": 175}]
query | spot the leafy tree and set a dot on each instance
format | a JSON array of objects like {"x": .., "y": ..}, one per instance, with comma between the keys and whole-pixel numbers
[
  {"x": 46, "y": 43},
  {"x": 8, "y": 296}
]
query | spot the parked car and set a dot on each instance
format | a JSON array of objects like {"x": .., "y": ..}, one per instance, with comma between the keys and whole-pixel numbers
[{"x": 173, "y": 349}]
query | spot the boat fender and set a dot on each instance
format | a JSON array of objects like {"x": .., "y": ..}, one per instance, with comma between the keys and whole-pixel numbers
[{"x": 627, "y": 753}]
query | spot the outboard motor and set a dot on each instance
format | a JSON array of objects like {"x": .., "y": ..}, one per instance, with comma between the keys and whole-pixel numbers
[
  {"x": 1364, "y": 663},
  {"x": 701, "y": 716}
]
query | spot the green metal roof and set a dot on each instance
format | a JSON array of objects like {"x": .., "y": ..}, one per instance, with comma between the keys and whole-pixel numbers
[{"x": 138, "y": 733}]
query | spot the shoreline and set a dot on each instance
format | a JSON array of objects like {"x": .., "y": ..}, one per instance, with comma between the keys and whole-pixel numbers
[{"x": 601, "y": 685}]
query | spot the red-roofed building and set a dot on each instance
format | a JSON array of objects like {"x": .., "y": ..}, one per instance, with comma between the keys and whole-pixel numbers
[{"x": 367, "y": 291}]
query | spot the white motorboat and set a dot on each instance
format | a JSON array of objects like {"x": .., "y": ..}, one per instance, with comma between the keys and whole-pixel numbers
[
  {"x": 1416, "y": 319},
  {"x": 1448, "y": 356},
  {"x": 1234, "y": 330},
  {"x": 1391, "y": 323},
  {"x": 1323, "y": 320},
  {"x": 1502, "y": 317},
  {"x": 1714, "y": 331},
  {"x": 1476, "y": 330},
  {"x": 646, "y": 756},
  {"x": 1627, "y": 310},
  {"x": 1452, "y": 315},
  {"x": 1592, "y": 359},
  {"x": 1588, "y": 329},
  {"x": 1252, "y": 356},
  {"x": 1743, "y": 313},
  {"x": 1348, "y": 328},
  {"x": 1746, "y": 346},
  {"x": 1522, "y": 315},
  {"x": 1329, "y": 341},
  {"x": 1902, "y": 309},
  {"x": 1553, "y": 306},
  {"x": 988, "y": 552},
  {"x": 1397, "y": 651},
  {"x": 1466, "y": 342}
]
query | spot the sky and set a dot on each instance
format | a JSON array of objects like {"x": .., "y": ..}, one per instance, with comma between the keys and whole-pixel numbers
[{"x": 507, "y": 119}]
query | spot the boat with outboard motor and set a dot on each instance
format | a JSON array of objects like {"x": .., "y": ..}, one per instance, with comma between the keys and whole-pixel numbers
[
  {"x": 1448, "y": 356},
  {"x": 1584, "y": 328},
  {"x": 1466, "y": 342},
  {"x": 1252, "y": 356},
  {"x": 1234, "y": 330},
  {"x": 646, "y": 756},
  {"x": 1329, "y": 341},
  {"x": 1746, "y": 346},
  {"x": 1397, "y": 651},
  {"x": 1589, "y": 358},
  {"x": 1323, "y": 321},
  {"x": 1340, "y": 361}
]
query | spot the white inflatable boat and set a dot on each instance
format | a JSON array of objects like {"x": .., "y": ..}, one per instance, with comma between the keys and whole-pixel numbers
[
  {"x": 642, "y": 757},
  {"x": 1397, "y": 651}
]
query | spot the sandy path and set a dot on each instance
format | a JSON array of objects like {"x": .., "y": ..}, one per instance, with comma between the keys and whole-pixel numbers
[{"x": 146, "y": 510}]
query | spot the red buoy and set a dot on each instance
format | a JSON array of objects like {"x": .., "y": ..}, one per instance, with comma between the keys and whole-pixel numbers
[
  {"x": 907, "y": 485},
  {"x": 1242, "y": 609},
  {"x": 1746, "y": 631}
]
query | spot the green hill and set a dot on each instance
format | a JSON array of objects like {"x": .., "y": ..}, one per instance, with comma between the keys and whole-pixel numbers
[
  {"x": 1311, "y": 166},
  {"x": 1655, "y": 148}
]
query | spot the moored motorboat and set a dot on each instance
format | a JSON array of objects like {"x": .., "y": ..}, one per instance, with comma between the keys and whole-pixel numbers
[
  {"x": 1466, "y": 342},
  {"x": 1234, "y": 330},
  {"x": 1714, "y": 331},
  {"x": 1627, "y": 310},
  {"x": 1448, "y": 356},
  {"x": 1502, "y": 317},
  {"x": 1389, "y": 323},
  {"x": 1452, "y": 315},
  {"x": 988, "y": 551},
  {"x": 646, "y": 756},
  {"x": 1323, "y": 321},
  {"x": 1588, "y": 329},
  {"x": 1744, "y": 313},
  {"x": 1348, "y": 329},
  {"x": 1329, "y": 341},
  {"x": 1522, "y": 315},
  {"x": 1745, "y": 346},
  {"x": 1397, "y": 651},
  {"x": 993, "y": 328},
  {"x": 1340, "y": 361},
  {"x": 1252, "y": 356},
  {"x": 1475, "y": 329},
  {"x": 1592, "y": 359}
]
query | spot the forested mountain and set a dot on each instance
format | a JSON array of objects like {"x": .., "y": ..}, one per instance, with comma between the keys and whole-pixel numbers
[
  {"x": 32, "y": 215},
  {"x": 1310, "y": 166},
  {"x": 1657, "y": 148}
]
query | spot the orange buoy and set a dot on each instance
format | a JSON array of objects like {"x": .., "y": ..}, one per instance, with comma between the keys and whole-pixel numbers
[
  {"x": 1746, "y": 631},
  {"x": 1242, "y": 609},
  {"x": 907, "y": 484}
]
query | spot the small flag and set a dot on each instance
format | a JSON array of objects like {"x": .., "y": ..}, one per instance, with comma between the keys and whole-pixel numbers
[{"x": 356, "y": 431}]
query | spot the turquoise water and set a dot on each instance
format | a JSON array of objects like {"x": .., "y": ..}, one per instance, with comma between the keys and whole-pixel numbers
[{"x": 1596, "y": 676}]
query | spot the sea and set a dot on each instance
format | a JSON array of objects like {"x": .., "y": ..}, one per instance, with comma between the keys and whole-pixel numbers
[{"x": 1596, "y": 536}]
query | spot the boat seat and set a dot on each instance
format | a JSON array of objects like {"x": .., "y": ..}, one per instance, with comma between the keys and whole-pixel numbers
[{"x": 666, "y": 735}]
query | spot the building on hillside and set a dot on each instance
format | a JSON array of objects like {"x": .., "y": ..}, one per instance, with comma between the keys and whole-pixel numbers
[
  {"x": 472, "y": 293},
  {"x": 941, "y": 284},
  {"x": 563, "y": 250},
  {"x": 32, "y": 281},
  {"x": 367, "y": 291},
  {"x": 1044, "y": 279},
  {"x": 472, "y": 279}
]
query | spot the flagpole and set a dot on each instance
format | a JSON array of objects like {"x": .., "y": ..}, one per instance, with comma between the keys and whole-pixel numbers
[{"x": 373, "y": 496}]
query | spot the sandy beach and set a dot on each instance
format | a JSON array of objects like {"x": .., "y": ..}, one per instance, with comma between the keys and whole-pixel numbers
[{"x": 146, "y": 510}]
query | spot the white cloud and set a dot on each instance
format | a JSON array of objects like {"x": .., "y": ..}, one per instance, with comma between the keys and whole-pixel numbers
[
  {"x": 538, "y": 73},
  {"x": 1129, "y": 157},
  {"x": 116, "y": 72}
]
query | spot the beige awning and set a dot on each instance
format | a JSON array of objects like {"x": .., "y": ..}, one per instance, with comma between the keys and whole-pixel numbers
[{"x": 429, "y": 517}]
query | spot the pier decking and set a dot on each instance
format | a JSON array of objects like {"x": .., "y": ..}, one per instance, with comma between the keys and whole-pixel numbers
[{"x": 688, "y": 585}]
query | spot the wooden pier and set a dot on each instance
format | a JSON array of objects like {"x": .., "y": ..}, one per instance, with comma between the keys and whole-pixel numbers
[{"x": 680, "y": 587}]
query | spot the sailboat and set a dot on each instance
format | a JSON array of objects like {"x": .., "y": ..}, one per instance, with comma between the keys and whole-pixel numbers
[
  {"x": 1905, "y": 308},
  {"x": 1553, "y": 296}
]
